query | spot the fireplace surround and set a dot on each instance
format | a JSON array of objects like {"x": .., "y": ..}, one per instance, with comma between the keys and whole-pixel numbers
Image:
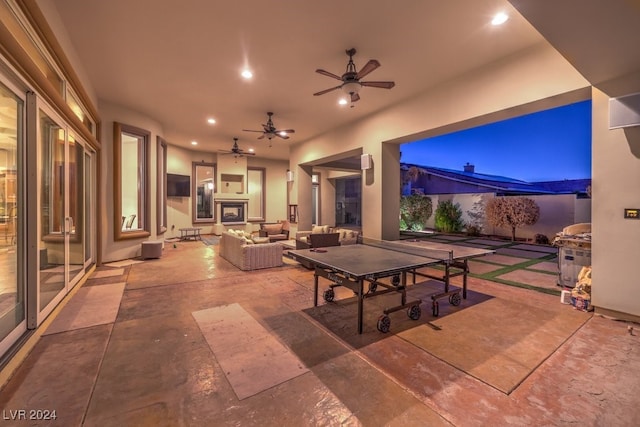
[{"x": 232, "y": 212}]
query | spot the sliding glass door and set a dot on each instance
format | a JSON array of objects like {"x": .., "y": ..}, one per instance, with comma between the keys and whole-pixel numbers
[
  {"x": 62, "y": 225},
  {"x": 12, "y": 289}
]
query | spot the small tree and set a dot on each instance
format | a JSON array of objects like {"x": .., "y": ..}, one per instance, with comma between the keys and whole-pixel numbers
[
  {"x": 512, "y": 212},
  {"x": 415, "y": 210},
  {"x": 448, "y": 217}
]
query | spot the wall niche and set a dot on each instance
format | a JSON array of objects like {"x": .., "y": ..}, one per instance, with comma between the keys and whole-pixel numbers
[{"x": 232, "y": 184}]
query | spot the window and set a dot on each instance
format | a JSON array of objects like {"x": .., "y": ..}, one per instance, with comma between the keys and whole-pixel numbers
[
  {"x": 203, "y": 190},
  {"x": 130, "y": 182},
  {"x": 256, "y": 194},
  {"x": 348, "y": 201}
]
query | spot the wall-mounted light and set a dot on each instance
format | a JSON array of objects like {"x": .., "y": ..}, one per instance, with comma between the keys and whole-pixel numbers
[
  {"x": 366, "y": 161},
  {"x": 289, "y": 176}
]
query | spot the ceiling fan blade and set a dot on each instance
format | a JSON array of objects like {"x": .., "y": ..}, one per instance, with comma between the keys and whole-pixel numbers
[
  {"x": 355, "y": 97},
  {"x": 368, "y": 67},
  {"x": 322, "y": 92},
  {"x": 382, "y": 85},
  {"x": 328, "y": 74},
  {"x": 286, "y": 131},
  {"x": 282, "y": 136},
  {"x": 248, "y": 154},
  {"x": 261, "y": 136},
  {"x": 249, "y": 130}
]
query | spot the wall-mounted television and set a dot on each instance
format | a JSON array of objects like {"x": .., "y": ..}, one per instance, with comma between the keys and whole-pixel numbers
[{"x": 178, "y": 185}]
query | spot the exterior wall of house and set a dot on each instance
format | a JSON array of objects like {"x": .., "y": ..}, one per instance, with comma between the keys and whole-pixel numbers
[
  {"x": 616, "y": 174},
  {"x": 433, "y": 184}
]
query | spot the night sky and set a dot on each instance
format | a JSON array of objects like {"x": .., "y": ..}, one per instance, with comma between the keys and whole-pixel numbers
[{"x": 548, "y": 145}]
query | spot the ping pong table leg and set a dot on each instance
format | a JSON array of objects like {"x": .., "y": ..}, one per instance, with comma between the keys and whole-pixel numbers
[
  {"x": 446, "y": 277},
  {"x": 315, "y": 289},
  {"x": 464, "y": 279},
  {"x": 360, "y": 304}
]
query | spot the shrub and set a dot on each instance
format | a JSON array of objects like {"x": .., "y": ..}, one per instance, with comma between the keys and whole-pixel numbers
[
  {"x": 415, "y": 210},
  {"x": 473, "y": 229},
  {"x": 541, "y": 239},
  {"x": 448, "y": 217}
]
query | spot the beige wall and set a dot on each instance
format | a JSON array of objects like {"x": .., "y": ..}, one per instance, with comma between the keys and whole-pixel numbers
[
  {"x": 179, "y": 160},
  {"x": 507, "y": 84},
  {"x": 616, "y": 178},
  {"x": 112, "y": 250},
  {"x": 528, "y": 76}
]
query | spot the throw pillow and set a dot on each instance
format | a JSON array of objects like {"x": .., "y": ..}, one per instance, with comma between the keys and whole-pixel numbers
[{"x": 320, "y": 229}]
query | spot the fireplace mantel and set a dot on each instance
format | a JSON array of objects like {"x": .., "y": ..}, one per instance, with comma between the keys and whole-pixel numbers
[{"x": 230, "y": 197}]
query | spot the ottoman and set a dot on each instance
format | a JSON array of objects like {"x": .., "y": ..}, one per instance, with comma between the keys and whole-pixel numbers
[{"x": 151, "y": 249}]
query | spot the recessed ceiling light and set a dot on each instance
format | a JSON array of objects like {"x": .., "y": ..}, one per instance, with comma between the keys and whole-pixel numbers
[
  {"x": 211, "y": 120},
  {"x": 499, "y": 18},
  {"x": 247, "y": 74},
  {"x": 343, "y": 101},
  {"x": 194, "y": 142},
  {"x": 251, "y": 150},
  {"x": 283, "y": 133}
]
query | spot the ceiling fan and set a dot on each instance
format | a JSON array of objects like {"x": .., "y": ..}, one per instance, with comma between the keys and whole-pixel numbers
[
  {"x": 351, "y": 83},
  {"x": 270, "y": 131},
  {"x": 237, "y": 151}
]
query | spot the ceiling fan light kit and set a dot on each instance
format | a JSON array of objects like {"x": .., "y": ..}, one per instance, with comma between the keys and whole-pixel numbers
[
  {"x": 270, "y": 131},
  {"x": 351, "y": 83},
  {"x": 236, "y": 150}
]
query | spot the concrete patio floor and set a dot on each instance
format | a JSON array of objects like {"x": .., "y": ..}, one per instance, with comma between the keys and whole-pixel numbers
[{"x": 149, "y": 352}]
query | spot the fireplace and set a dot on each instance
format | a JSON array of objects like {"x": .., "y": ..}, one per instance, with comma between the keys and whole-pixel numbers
[{"x": 231, "y": 212}]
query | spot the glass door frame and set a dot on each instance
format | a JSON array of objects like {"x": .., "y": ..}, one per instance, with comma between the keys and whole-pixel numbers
[
  {"x": 20, "y": 247},
  {"x": 69, "y": 282}
]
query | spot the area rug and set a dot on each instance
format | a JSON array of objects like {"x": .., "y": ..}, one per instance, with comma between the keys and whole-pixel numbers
[
  {"x": 340, "y": 316},
  {"x": 499, "y": 342},
  {"x": 210, "y": 240},
  {"x": 253, "y": 360}
]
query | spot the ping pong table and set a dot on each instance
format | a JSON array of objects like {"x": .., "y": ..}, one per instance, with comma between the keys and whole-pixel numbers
[{"x": 352, "y": 265}]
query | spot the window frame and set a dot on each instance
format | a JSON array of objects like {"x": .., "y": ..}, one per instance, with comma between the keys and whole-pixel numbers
[
  {"x": 144, "y": 198},
  {"x": 263, "y": 187},
  {"x": 194, "y": 193},
  {"x": 161, "y": 185}
]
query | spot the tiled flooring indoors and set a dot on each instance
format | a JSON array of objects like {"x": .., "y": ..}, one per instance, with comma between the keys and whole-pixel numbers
[{"x": 189, "y": 340}]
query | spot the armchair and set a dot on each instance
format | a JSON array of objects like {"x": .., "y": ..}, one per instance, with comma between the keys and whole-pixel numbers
[
  {"x": 276, "y": 231},
  {"x": 303, "y": 236},
  {"x": 319, "y": 240}
]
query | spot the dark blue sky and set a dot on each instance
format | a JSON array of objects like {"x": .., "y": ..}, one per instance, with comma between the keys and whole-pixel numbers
[{"x": 549, "y": 145}]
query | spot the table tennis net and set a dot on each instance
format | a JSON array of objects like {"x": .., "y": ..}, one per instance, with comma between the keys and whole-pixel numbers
[{"x": 439, "y": 254}]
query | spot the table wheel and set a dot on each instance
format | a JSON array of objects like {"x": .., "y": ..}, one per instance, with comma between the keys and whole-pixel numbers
[
  {"x": 328, "y": 295},
  {"x": 384, "y": 323}
]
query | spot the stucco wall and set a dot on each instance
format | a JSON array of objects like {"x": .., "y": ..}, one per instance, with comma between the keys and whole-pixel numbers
[
  {"x": 556, "y": 212},
  {"x": 616, "y": 174},
  {"x": 179, "y": 160},
  {"x": 506, "y": 84}
]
